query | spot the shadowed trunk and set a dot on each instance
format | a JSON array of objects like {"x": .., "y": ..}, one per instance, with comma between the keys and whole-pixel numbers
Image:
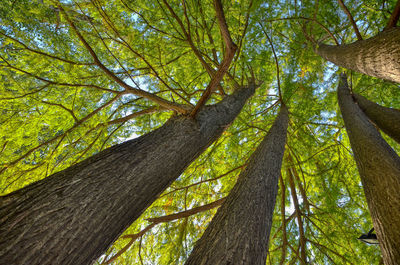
[
  {"x": 73, "y": 216},
  {"x": 239, "y": 232},
  {"x": 387, "y": 119},
  {"x": 379, "y": 168},
  {"x": 378, "y": 56}
]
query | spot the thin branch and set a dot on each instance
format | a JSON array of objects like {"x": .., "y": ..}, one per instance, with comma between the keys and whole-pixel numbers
[
  {"x": 63, "y": 107},
  {"x": 308, "y": 19},
  {"x": 276, "y": 62},
  {"x": 162, "y": 102},
  {"x": 135, "y": 114},
  {"x": 208, "y": 68},
  {"x": 81, "y": 121},
  {"x": 43, "y": 53},
  {"x": 394, "y": 18},
  {"x": 109, "y": 22},
  {"x": 187, "y": 213},
  {"x": 205, "y": 180},
  {"x": 302, "y": 238},
  {"x": 163, "y": 219},
  {"x": 130, "y": 243},
  {"x": 54, "y": 82},
  {"x": 283, "y": 210},
  {"x": 353, "y": 23},
  {"x": 334, "y": 252}
]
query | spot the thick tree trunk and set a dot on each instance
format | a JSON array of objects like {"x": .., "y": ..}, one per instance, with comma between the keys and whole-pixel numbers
[
  {"x": 73, "y": 216},
  {"x": 239, "y": 232},
  {"x": 378, "y": 56},
  {"x": 387, "y": 119},
  {"x": 379, "y": 168}
]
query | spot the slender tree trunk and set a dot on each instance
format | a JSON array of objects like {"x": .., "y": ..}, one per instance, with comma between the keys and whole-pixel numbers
[
  {"x": 378, "y": 56},
  {"x": 73, "y": 216},
  {"x": 387, "y": 119},
  {"x": 239, "y": 232},
  {"x": 379, "y": 168}
]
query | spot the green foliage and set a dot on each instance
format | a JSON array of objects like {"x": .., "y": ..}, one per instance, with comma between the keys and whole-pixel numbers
[{"x": 59, "y": 107}]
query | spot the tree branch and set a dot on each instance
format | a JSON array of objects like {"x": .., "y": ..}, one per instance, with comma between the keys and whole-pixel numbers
[
  {"x": 353, "y": 23},
  {"x": 187, "y": 213},
  {"x": 229, "y": 44},
  {"x": 302, "y": 238},
  {"x": 228, "y": 57},
  {"x": 394, "y": 18},
  {"x": 163, "y": 219},
  {"x": 283, "y": 210},
  {"x": 276, "y": 63},
  {"x": 162, "y": 102}
]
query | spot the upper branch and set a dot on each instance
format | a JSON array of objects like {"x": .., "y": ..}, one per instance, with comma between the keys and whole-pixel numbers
[
  {"x": 230, "y": 45},
  {"x": 228, "y": 57},
  {"x": 394, "y": 17},
  {"x": 353, "y": 23}
]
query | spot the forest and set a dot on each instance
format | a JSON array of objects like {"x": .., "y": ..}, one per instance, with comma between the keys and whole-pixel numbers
[{"x": 199, "y": 132}]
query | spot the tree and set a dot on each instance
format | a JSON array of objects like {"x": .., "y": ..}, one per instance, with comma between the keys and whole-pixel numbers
[
  {"x": 69, "y": 212},
  {"x": 379, "y": 168},
  {"x": 387, "y": 119},
  {"x": 239, "y": 231},
  {"x": 160, "y": 59}
]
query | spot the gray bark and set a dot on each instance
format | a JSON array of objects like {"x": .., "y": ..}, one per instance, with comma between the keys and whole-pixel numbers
[
  {"x": 378, "y": 56},
  {"x": 387, "y": 119},
  {"x": 239, "y": 232},
  {"x": 73, "y": 216},
  {"x": 379, "y": 168}
]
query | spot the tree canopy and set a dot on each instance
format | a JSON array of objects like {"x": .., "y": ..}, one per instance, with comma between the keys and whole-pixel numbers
[{"x": 80, "y": 76}]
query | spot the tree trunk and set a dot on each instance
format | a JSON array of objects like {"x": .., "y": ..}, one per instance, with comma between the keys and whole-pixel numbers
[
  {"x": 73, "y": 216},
  {"x": 379, "y": 168},
  {"x": 387, "y": 119},
  {"x": 378, "y": 56},
  {"x": 239, "y": 232}
]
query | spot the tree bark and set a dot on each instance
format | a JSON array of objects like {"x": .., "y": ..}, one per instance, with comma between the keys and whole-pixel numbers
[
  {"x": 239, "y": 232},
  {"x": 379, "y": 168},
  {"x": 387, "y": 119},
  {"x": 378, "y": 56},
  {"x": 73, "y": 216}
]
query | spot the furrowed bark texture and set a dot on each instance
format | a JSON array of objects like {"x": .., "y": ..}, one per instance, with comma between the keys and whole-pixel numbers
[
  {"x": 387, "y": 119},
  {"x": 378, "y": 56},
  {"x": 73, "y": 216},
  {"x": 379, "y": 168},
  {"x": 239, "y": 231}
]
